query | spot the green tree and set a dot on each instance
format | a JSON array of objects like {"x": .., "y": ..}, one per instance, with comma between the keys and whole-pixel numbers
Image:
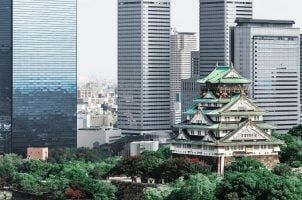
[
  {"x": 296, "y": 131},
  {"x": 127, "y": 166},
  {"x": 9, "y": 165},
  {"x": 283, "y": 169},
  {"x": 159, "y": 193},
  {"x": 197, "y": 187},
  {"x": 244, "y": 165}
]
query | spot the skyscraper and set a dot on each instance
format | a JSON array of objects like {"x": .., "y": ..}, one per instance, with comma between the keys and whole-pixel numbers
[
  {"x": 268, "y": 53},
  {"x": 182, "y": 44},
  {"x": 38, "y": 74},
  {"x": 301, "y": 76},
  {"x": 216, "y": 19},
  {"x": 144, "y": 66}
]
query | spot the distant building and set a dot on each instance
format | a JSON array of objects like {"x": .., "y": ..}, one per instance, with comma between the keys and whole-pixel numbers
[
  {"x": 37, "y": 153},
  {"x": 95, "y": 120},
  {"x": 190, "y": 89},
  {"x": 224, "y": 124},
  {"x": 268, "y": 53},
  {"x": 91, "y": 137},
  {"x": 182, "y": 44},
  {"x": 195, "y": 63},
  {"x": 144, "y": 66},
  {"x": 136, "y": 148},
  {"x": 216, "y": 19}
]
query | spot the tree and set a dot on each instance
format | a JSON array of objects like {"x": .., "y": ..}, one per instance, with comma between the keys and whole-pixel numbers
[
  {"x": 9, "y": 165},
  {"x": 147, "y": 165},
  {"x": 244, "y": 165},
  {"x": 283, "y": 169},
  {"x": 174, "y": 168},
  {"x": 291, "y": 151},
  {"x": 296, "y": 131},
  {"x": 159, "y": 193},
  {"x": 197, "y": 187},
  {"x": 127, "y": 166}
]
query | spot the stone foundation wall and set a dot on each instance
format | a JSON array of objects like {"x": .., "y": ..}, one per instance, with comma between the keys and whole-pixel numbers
[
  {"x": 270, "y": 161},
  {"x": 131, "y": 191}
]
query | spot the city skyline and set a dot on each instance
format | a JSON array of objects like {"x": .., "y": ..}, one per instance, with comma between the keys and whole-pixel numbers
[{"x": 97, "y": 52}]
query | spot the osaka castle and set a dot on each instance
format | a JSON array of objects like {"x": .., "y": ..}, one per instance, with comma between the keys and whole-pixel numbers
[{"x": 224, "y": 124}]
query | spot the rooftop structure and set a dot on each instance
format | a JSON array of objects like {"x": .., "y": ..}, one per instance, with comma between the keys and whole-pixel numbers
[{"x": 224, "y": 124}]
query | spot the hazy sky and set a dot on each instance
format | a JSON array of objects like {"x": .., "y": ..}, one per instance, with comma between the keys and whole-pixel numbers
[{"x": 97, "y": 29}]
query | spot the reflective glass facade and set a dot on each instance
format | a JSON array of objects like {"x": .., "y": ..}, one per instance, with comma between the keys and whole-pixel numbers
[
  {"x": 44, "y": 74},
  {"x": 5, "y": 74}
]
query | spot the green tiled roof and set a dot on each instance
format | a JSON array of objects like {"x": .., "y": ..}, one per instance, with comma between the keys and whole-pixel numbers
[
  {"x": 195, "y": 126},
  {"x": 219, "y": 76}
]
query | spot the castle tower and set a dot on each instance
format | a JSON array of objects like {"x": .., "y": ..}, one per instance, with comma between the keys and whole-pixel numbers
[{"x": 224, "y": 124}]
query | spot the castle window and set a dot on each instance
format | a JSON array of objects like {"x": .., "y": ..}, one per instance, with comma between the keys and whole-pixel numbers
[{"x": 226, "y": 148}]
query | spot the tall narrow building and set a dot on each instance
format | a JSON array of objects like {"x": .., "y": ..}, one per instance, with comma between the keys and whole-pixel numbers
[
  {"x": 268, "y": 53},
  {"x": 38, "y": 62},
  {"x": 301, "y": 77},
  {"x": 216, "y": 19},
  {"x": 144, "y": 66},
  {"x": 182, "y": 44}
]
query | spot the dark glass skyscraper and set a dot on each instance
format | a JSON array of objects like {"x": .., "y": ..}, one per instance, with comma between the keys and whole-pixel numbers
[{"x": 38, "y": 74}]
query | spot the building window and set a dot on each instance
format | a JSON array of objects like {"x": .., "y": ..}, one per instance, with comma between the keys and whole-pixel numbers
[{"x": 226, "y": 148}]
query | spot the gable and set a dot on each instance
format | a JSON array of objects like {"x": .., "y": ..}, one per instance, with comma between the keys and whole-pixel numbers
[
  {"x": 232, "y": 74},
  {"x": 247, "y": 132},
  {"x": 182, "y": 136},
  {"x": 199, "y": 118},
  {"x": 209, "y": 138},
  {"x": 242, "y": 105}
]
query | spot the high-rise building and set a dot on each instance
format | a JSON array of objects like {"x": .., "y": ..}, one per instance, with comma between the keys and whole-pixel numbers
[
  {"x": 268, "y": 53},
  {"x": 182, "y": 44},
  {"x": 216, "y": 19},
  {"x": 38, "y": 74},
  {"x": 144, "y": 66},
  {"x": 194, "y": 63},
  {"x": 301, "y": 76}
]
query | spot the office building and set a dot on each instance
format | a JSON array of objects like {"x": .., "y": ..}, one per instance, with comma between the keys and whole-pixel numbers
[
  {"x": 182, "y": 44},
  {"x": 216, "y": 20},
  {"x": 195, "y": 63},
  {"x": 136, "y": 148},
  {"x": 38, "y": 74},
  {"x": 268, "y": 53},
  {"x": 223, "y": 124},
  {"x": 144, "y": 66},
  {"x": 301, "y": 76},
  {"x": 93, "y": 137}
]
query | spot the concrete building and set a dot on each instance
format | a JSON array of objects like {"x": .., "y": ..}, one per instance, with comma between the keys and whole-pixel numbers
[
  {"x": 301, "y": 76},
  {"x": 136, "y": 148},
  {"x": 216, "y": 20},
  {"x": 91, "y": 137},
  {"x": 189, "y": 91},
  {"x": 182, "y": 44},
  {"x": 37, "y": 153},
  {"x": 195, "y": 63},
  {"x": 268, "y": 53},
  {"x": 38, "y": 74},
  {"x": 224, "y": 124},
  {"x": 144, "y": 66}
]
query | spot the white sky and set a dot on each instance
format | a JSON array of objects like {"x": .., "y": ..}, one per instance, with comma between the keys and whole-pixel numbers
[{"x": 97, "y": 29}]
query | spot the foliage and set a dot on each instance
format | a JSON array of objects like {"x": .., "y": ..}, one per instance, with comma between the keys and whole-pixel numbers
[
  {"x": 9, "y": 164},
  {"x": 291, "y": 151},
  {"x": 160, "y": 193},
  {"x": 296, "y": 131},
  {"x": 197, "y": 187},
  {"x": 244, "y": 165},
  {"x": 283, "y": 169},
  {"x": 259, "y": 185},
  {"x": 174, "y": 168}
]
